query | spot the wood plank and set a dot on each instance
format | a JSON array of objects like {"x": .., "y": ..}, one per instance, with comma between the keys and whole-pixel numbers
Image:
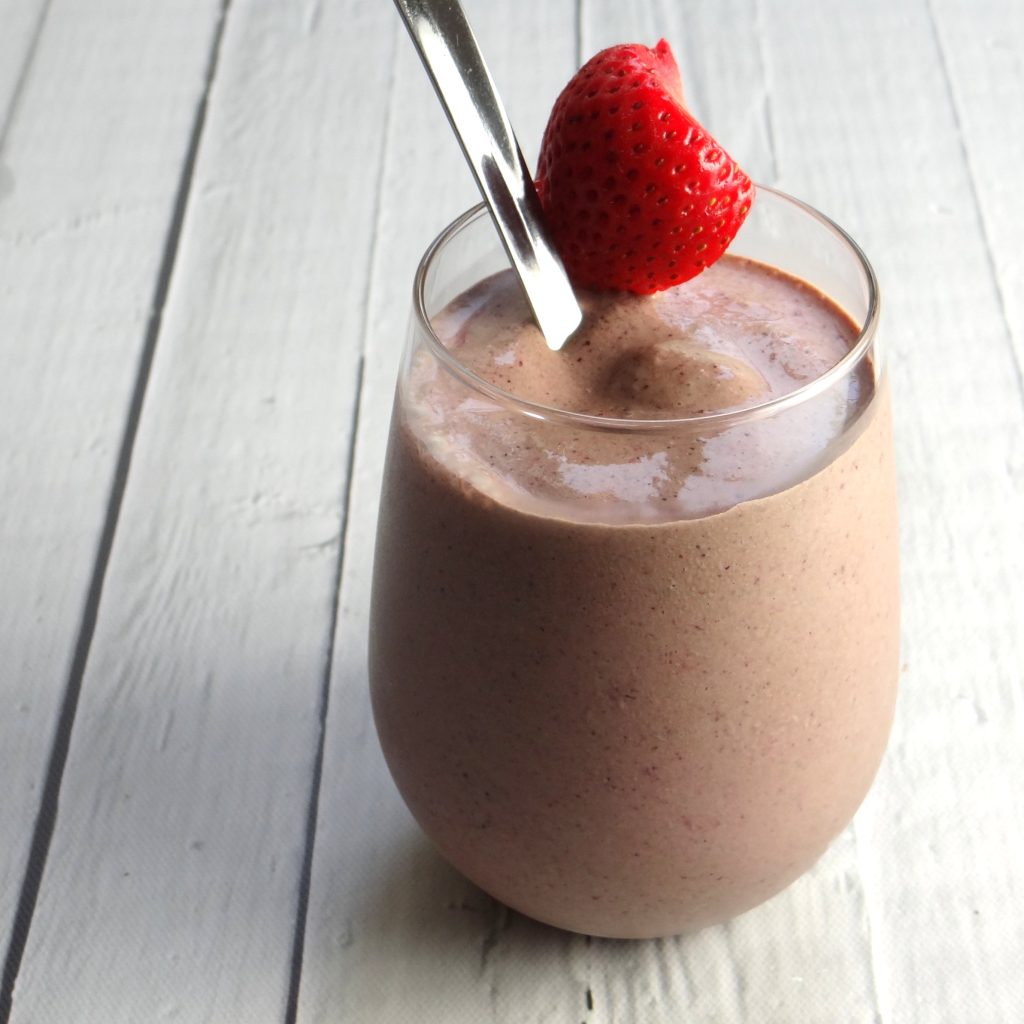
[
  {"x": 965, "y": 765},
  {"x": 393, "y": 933},
  {"x": 945, "y": 932},
  {"x": 90, "y": 172},
  {"x": 173, "y": 879},
  {"x": 22, "y": 21},
  {"x": 980, "y": 46}
]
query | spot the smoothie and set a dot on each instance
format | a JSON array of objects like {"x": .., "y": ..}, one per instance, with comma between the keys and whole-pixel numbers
[
  {"x": 634, "y": 633},
  {"x": 632, "y": 680}
]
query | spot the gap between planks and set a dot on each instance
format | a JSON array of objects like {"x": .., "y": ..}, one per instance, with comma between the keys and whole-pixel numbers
[
  {"x": 46, "y": 818},
  {"x": 313, "y": 807},
  {"x": 313, "y": 812}
]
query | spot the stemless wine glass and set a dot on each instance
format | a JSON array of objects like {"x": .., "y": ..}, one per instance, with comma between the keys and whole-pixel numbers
[{"x": 624, "y": 716}]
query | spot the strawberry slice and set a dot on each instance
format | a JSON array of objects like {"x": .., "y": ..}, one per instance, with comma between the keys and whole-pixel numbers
[{"x": 638, "y": 196}]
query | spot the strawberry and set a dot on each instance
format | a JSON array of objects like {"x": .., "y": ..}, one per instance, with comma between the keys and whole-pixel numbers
[{"x": 637, "y": 195}]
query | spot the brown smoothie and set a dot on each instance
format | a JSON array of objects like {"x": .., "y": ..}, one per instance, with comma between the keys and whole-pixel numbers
[{"x": 632, "y": 682}]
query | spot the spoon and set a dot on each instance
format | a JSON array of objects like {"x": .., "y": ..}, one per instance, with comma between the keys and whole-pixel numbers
[{"x": 450, "y": 54}]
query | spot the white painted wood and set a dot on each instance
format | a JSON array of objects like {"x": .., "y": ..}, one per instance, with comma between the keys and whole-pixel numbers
[
  {"x": 172, "y": 885},
  {"x": 89, "y": 172},
  {"x": 980, "y": 47},
  {"x": 21, "y": 21}
]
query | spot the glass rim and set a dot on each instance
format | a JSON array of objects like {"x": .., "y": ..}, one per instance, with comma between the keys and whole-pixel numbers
[{"x": 729, "y": 417}]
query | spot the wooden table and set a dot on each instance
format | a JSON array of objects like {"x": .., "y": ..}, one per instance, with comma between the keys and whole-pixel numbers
[{"x": 210, "y": 214}]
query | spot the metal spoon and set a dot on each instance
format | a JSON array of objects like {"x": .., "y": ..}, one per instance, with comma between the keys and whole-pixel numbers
[{"x": 450, "y": 54}]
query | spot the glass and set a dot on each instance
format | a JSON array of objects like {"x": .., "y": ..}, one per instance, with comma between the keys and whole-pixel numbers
[{"x": 624, "y": 708}]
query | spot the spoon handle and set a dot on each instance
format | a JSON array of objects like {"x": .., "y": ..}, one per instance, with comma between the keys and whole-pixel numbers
[{"x": 450, "y": 54}]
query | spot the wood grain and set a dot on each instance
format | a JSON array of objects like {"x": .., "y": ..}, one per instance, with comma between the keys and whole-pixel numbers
[
  {"x": 980, "y": 50},
  {"x": 88, "y": 168},
  {"x": 173, "y": 881}
]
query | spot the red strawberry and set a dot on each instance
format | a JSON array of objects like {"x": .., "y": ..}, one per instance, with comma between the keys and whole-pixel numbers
[{"x": 638, "y": 196}]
